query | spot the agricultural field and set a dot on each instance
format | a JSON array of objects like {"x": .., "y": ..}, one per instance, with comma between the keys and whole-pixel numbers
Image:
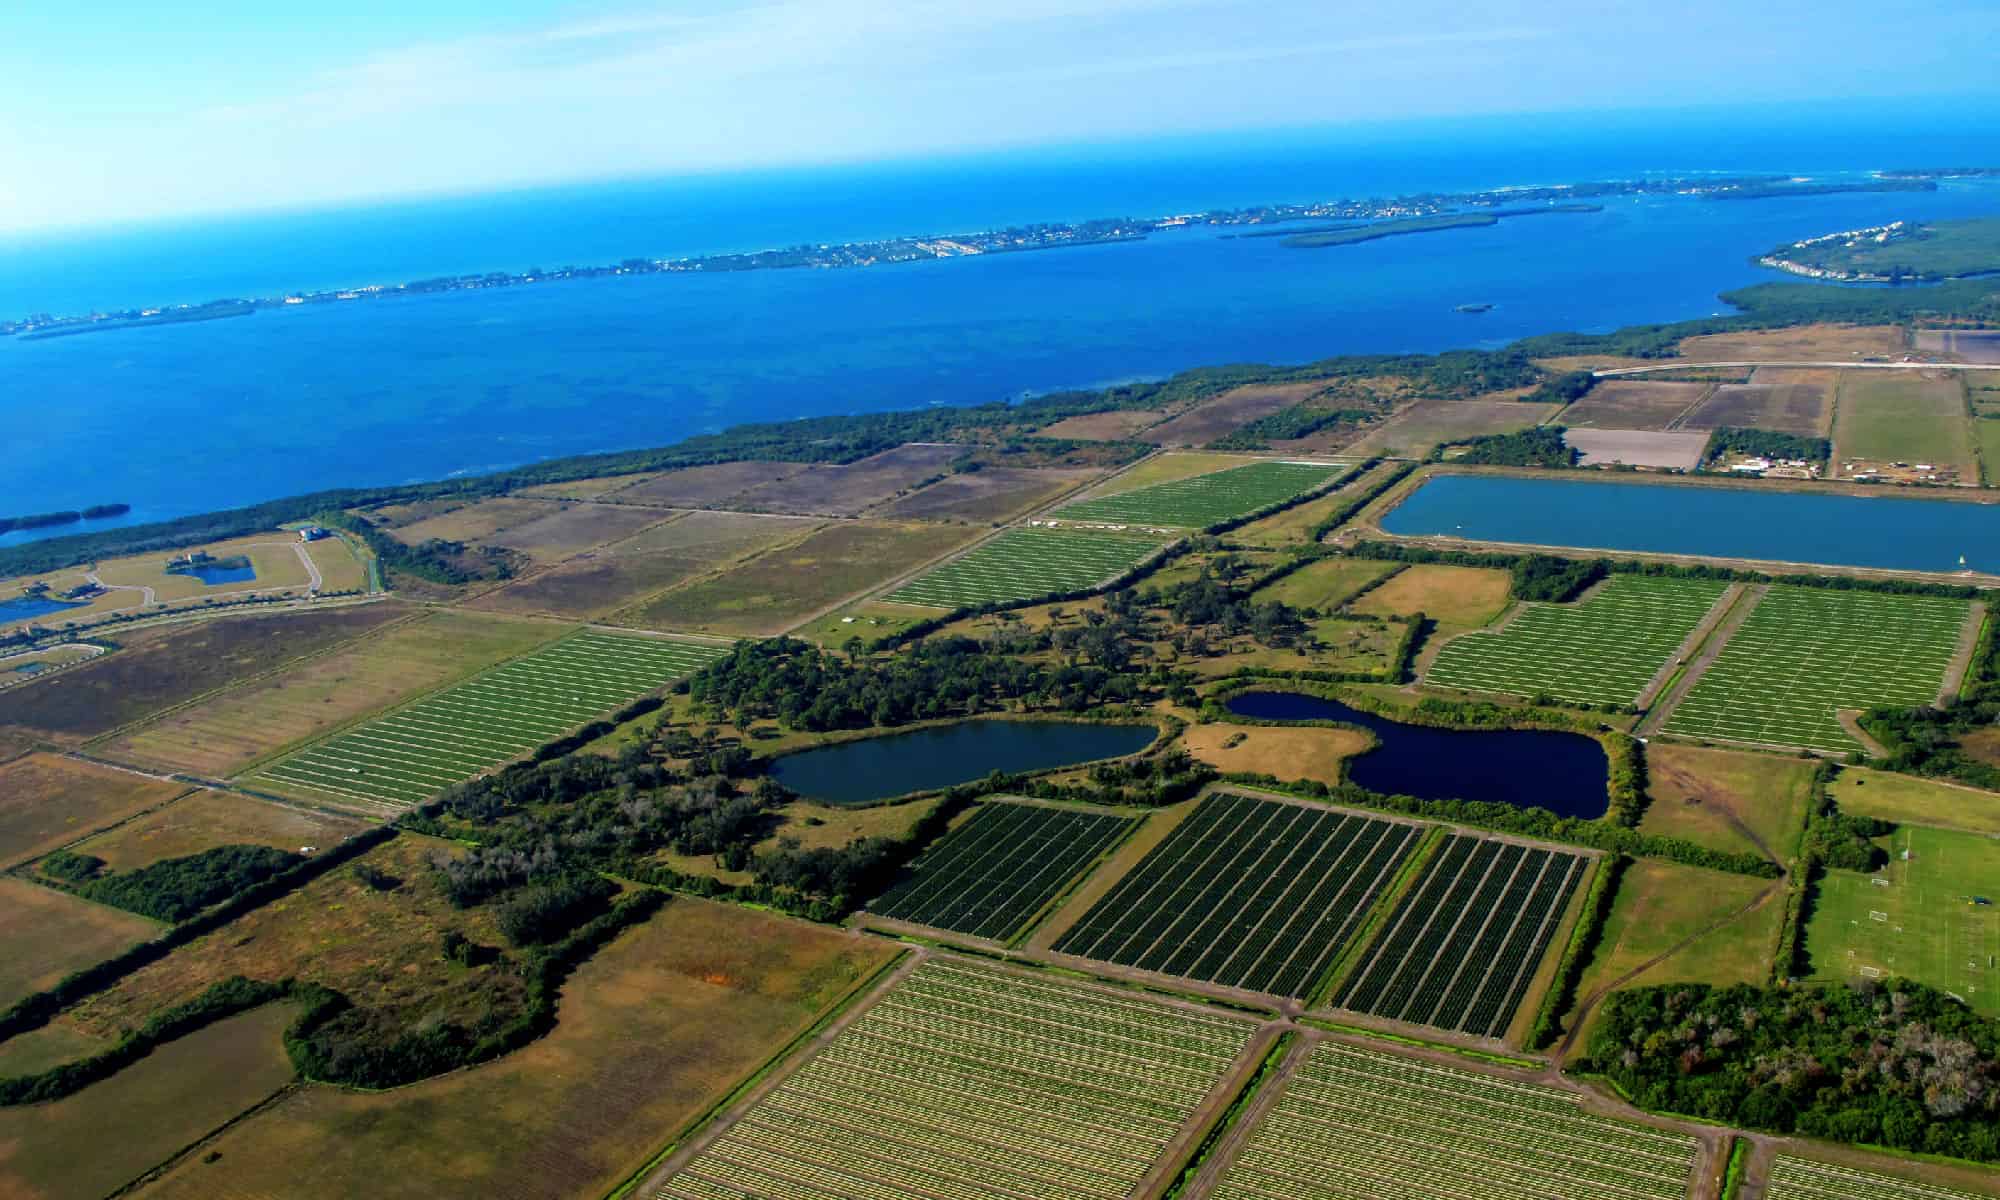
[
  {"x": 1918, "y": 917},
  {"x": 782, "y": 587},
  {"x": 1729, "y": 800},
  {"x": 1246, "y": 893},
  {"x": 45, "y": 934},
  {"x": 844, "y": 491},
  {"x": 1602, "y": 649},
  {"x": 1787, "y": 400},
  {"x": 1326, "y": 584},
  {"x": 1970, "y": 345},
  {"x": 475, "y": 522},
  {"x": 1223, "y": 415},
  {"x": 1354, "y": 1124},
  {"x": 1633, "y": 404},
  {"x": 969, "y": 1082},
  {"x": 1671, "y": 449},
  {"x": 1412, "y": 432},
  {"x": 1294, "y": 526},
  {"x": 1023, "y": 563},
  {"x": 1454, "y": 597},
  {"x": 656, "y": 1026},
  {"x": 1461, "y": 949},
  {"x": 989, "y": 875},
  {"x": 1886, "y": 417},
  {"x": 572, "y": 528},
  {"x": 1812, "y": 343},
  {"x": 706, "y": 486},
  {"x": 414, "y": 752},
  {"x": 1804, "y": 1179},
  {"x": 1114, "y": 426},
  {"x": 47, "y": 801},
  {"x": 1987, "y": 432},
  {"x": 206, "y": 819},
  {"x": 1914, "y": 800},
  {"x": 224, "y": 733},
  {"x": 1204, "y": 500},
  {"x": 987, "y": 496},
  {"x": 1806, "y": 653}
]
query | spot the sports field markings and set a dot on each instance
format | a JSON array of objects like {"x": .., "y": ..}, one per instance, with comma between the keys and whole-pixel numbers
[
  {"x": 411, "y": 753},
  {"x": 1203, "y": 500},
  {"x": 1029, "y": 561},
  {"x": 1803, "y": 1179},
  {"x": 1603, "y": 649},
  {"x": 1805, "y": 653}
]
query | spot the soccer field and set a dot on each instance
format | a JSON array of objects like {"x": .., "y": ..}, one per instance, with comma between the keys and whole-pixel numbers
[
  {"x": 1024, "y": 563},
  {"x": 414, "y": 752},
  {"x": 1204, "y": 500},
  {"x": 1599, "y": 650},
  {"x": 1806, "y": 653}
]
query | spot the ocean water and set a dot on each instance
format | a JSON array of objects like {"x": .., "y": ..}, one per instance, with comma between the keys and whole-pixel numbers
[{"x": 189, "y": 418}]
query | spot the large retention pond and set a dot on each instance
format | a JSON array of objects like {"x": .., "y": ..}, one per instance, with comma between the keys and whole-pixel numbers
[
  {"x": 862, "y": 772},
  {"x": 1565, "y": 773},
  {"x": 1890, "y": 532}
]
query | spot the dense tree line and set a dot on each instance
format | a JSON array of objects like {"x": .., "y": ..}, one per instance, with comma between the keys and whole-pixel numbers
[
  {"x": 173, "y": 889},
  {"x": 1930, "y": 741},
  {"x": 1287, "y": 424},
  {"x": 1765, "y": 443},
  {"x": 1554, "y": 580},
  {"x": 1542, "y": 446},
  {"x": 434, "y": 559},
  {"x": 1566, "y": 388}
]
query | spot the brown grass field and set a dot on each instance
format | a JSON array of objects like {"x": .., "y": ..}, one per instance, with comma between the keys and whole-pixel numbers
[
  {"x": 169, "y": 665},
  {"x": 1412, "y": 432},
  {"x": 114, "y": 1131},
  {"x": 1632, "y": 404},
  {"x": 1289, "y": 754},
  {"x": 45, "y": 934},
  {"x": 777, "y": 590},
  {"x": 992, "y": 495},
  {"x": 47, "y": 801},
  {"x": 1227, "y": 413},
  {"x": 475, "y": 522},
  {"x": 1456, "y": 597},
  {"x": 651, "y": 1031},
  {"x": 207, "y": 819},
  {"x": 1803, "y": 406},
  {"x": 1326, "y": 584},
  {"x": 1713, "y": 796},
  {"x": 846, "y": 490},
  {"x": 224, "y": 733},
  {"x": 1884, "y": 417},
  {"x": 700, "y": 487},
  {"x": 575, "y": 528},
  {"x": 582, "y": 489},
  {"x": 39, "y": 1049},
  {"x": 1907, "y": 799},
  {"x": 1806, "y": 343},
  {"x": 339, "y": 569},
  {"x": 1115, "y": 426}
]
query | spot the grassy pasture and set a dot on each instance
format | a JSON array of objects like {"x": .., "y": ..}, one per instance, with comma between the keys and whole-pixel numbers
[
  {"x": 1114, "y": 426},
  {"x": 110, "y": 1133},
  {"x": 46, "y": 934},
  {"x": 1602, "y": 649},
  {"x": 1412, "y": 432},
  {"x": 1921, "y": 923},
  {"x": 1660, "y": 904},
  {"x": 1290, "y": 754},
  {"x": 204, "y": 820},
  {"x": 1809, "y": 343},
  {"x": 1899, "y": 416},
  {"x": 986, "y": 496},
  {"x": 653, "y": 1029},
  {"x": 1987, "y": 431},
  {"x": 848, "y": 489},
  {"x": 1454, "y": 597},
  {"x": 1695, "y": 793},
  {"x": 1326, "y": 584},
  {"x": 47, "y": 801},
  {"x": 50, "y": 1046},
  {"x": 1806, "y": 653},
  {"x": 1906, "y": 798},
  {"x": 867, "y": 620},
  {"x": 228, "y": 731},
  {"x": 1027, "y": 562},
  {"x": 1204, "y": 500},
  {"x": 1294, "y": 526}
]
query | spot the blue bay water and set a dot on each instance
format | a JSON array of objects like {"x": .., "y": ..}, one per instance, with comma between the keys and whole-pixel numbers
[{"x": 188, "y": 418}]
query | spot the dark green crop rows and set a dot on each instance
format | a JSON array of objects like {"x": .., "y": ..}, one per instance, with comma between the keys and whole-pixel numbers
[{"x": 1209, "y": 499}]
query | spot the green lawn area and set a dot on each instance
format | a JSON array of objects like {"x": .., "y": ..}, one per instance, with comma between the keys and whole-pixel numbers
[
  {"x": 1915, "y": 918},
  {"x": 1325, "y": 584},
  {"x": 1906, "y": 798},
  {"x": 1897, "y": 416},
  {"x": 1696, "y": 791}
]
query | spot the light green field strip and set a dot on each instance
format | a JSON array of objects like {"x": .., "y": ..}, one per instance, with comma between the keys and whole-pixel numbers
[
  {"x": 1356, "y": 1125},
  {"x": 1204, "y": 500},
  {"x": 1601, "y": 650},
  {"x": 1024, "y": 563},
  {"x": 414, "y": 752},
  {"x": 1801, "y": 1179},
  {"x": 1805, "y": 653}
]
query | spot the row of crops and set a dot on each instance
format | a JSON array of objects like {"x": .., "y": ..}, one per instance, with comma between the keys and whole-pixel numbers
[
  {"x": 1027, "y": 562},
  {"x": 1247, "y": 893},
  {"x": 1603, "y": 649},
  {"x": 414, "y": 752},
  {"x": 999, "y": 868},
  {"x": 1462, "y": 948},
  {"x": 1204, "y": 500},
  {"x": 967, "y": 1082},
  {"x": 1353, "y": 1124},
  {"x": 1803, "y": 1179}
]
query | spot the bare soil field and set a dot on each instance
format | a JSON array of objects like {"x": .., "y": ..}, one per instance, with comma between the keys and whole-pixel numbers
[
  {"x": 45, "y": 934},
  {"x": 1114, "y": 426},
  {"x": 1289, "y": 754},
  {"x": 988, "y": 496},
  {"x": 207, "y": 819},
  {"x": 1806, "y": 343},
  {"x": 845, "y": 491},
  {"x": 651, "y": 1031},
  {"x": 474, "y": 522},
  {"x": 1637, "y": 448},
  {"x": 577, "y": 527},
  {"x": 47, "y": 801},
  {"x": 166, "y": 1100},
  {"x": 583, "y": 489},
  {"x": 1228, "y": 412},
  {"x": 1456, "y": 597},
  {"x": 169, "y": 665},
  {"x": 226, "y": 732},
  {"x": 1412, "y": 432},
  {"x": 1631, "y": 404},
  {"x": 780, "y": 588},
  {"x": 1967, "y": 345},
  {"x": 1886, "y": 417},
  {"x": 1788, "y": 400},
  {"x": 699, "y": 487}
]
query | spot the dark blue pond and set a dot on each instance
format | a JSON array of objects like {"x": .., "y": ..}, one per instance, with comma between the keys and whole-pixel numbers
[
  {"x": 211, "y": 576},
  {"x": 1566, "y": 773},
  {"x": 26, "y": 608},
  {"x": 872, "y": 769}
]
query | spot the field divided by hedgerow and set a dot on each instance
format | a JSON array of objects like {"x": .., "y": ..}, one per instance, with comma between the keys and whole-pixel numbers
[
  {"x": 1806, "y": 653},
  {"x": 1356, "y": 1125},
  {"x": 414, "y": 752},
  {"x": 1024, "y": 563},
  {"x": 1204, "y": 500},
  {"x": 1461, "y": 949},
  {"x": 1602, "y": 649},
  {"x": 1247, "y": 893},
  {"x": 967, "y": 1082},
  {"x": 996, "y": 870},
  {"x": 1803, "y": 1179}
]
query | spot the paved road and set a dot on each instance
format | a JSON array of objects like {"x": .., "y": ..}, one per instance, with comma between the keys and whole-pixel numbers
[{"x": 1687, "y": 365}]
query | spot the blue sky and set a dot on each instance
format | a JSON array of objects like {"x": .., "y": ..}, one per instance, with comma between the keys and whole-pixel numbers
[{"x": 121, "y": 110}]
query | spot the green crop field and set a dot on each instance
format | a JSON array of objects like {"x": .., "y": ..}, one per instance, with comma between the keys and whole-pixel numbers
[
  {"x": 1806, "y": 653},
  {"x": 1802, "y": 1179},
  {"x": 414, "y": 752},
  {"x": 1599, "y": 650},
  {"x": 1353, "y": 1124},
  {"x": 1916, "y": 917},
  {"x": 1204, "y": 500},
  {"x": 1024, "y": 563}
]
